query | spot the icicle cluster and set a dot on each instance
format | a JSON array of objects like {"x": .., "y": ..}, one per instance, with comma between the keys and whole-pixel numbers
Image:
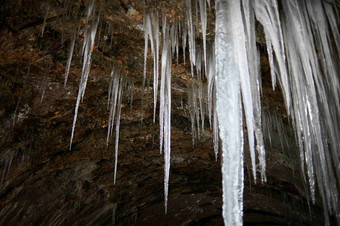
[
  {"x": 89, "y": 39},
  {"x": 151, "y": 31},
  {"x": 115, "y": 105},
  {"x": 171, "y": 35},
  {"x": 294, "y": 39},
  {"x": 272, "y": 121},
  {"x": 302, "y": 40}
]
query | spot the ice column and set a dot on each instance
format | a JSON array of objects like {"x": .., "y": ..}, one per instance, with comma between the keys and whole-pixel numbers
[{"x": 229, "y": 113}]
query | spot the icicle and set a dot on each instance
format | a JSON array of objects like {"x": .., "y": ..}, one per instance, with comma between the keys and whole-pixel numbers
[
  {"x": 203, "y": 13},
  {"x": 15, "y": 112},
  {"x": 165, "y": 106},
  {"x": 211, "y": 81},
  {"x": 267, "y": 12},
  {"x": 228, "y": 97},
  {"x": 215, "y": 128},
  {"x": 132, "y": 89},
  {"x": 151, "y": 30},
  {"x": 184, "y": 40},
  {"x": 253, "y": 89},
  {"x": 112, "y": 98},
  {"x": 241, "y": 58},
  {"x": 88, "y": 14},
  {"x": 191, "y": 35},
  {"x": 47, "y": 9},
  {"x": 332, "y": 15},
  {"x": 115, "y": 104},
  {"x": 69, "y": 59},
  {"x": 196, "y": 109},
  {"x": 155, "y": 29},
  {"x": 44, "y": 83},
  {"x": 315, "y": 94},
  {"x": 177, "y": 40},
  {"x": 146, "y": 34},
  {"x": 192, "y": 114},
  {"x": 117, "y": 127},
  {"x": 89, "y": 43}
]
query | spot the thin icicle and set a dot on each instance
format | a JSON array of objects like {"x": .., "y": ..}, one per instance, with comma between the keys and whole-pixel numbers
[
  {"x": 191, "y": 99},
  {"x": 191, "y": 35},
  {"x": 211, "y": 80},
  {"x": 184, "y": 40},
  {"x": 47, "y": 9},
  {"x": 215, "y": 128},
  {"x": 203, "y": 14},
  {"x": 155, "y": 31},
  {"x": 146, "y": 42},
  {"x": 119, "y": 106},
  {"x": 112, "y": 98},
  {"x": 44, "y": 83},
  {"x": 151, "y": 30},
  {"x": 69, "y": 58},
  {"x": 164, "y": 65}
]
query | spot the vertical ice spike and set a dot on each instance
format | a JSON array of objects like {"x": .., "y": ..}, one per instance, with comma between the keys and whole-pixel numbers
[
  {"x": 229, "y": 112},
  {"x": 165, "y": 106},
  {"x": 89, "y": 39},
  {"x": 69, "y": 58}
]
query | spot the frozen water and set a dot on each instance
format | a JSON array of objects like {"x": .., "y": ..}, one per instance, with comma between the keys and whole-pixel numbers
[{"x": 228, "y": 108}]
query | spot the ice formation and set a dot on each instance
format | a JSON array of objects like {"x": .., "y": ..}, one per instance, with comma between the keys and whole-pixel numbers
[
  {"x": 229, "y": 110},
  {"x": 293, "y": 37},
  {"x": 47, "y": 9},
  {"x": 302, "y": 41},
  {"x": 69, "y": 59},
  {"x": 89, "y": 38},
  {"x": 165, "y": 106}
]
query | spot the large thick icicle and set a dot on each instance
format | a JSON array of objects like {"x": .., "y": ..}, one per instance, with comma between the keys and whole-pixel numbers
[
  {"x": 165, "y": 106},
  {"x": 229, "y": 112},
  {"x": 89, "y": 39}
]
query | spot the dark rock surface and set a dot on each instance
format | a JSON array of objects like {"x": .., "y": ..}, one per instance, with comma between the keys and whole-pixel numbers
[{"x": 45, "y": 183}]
